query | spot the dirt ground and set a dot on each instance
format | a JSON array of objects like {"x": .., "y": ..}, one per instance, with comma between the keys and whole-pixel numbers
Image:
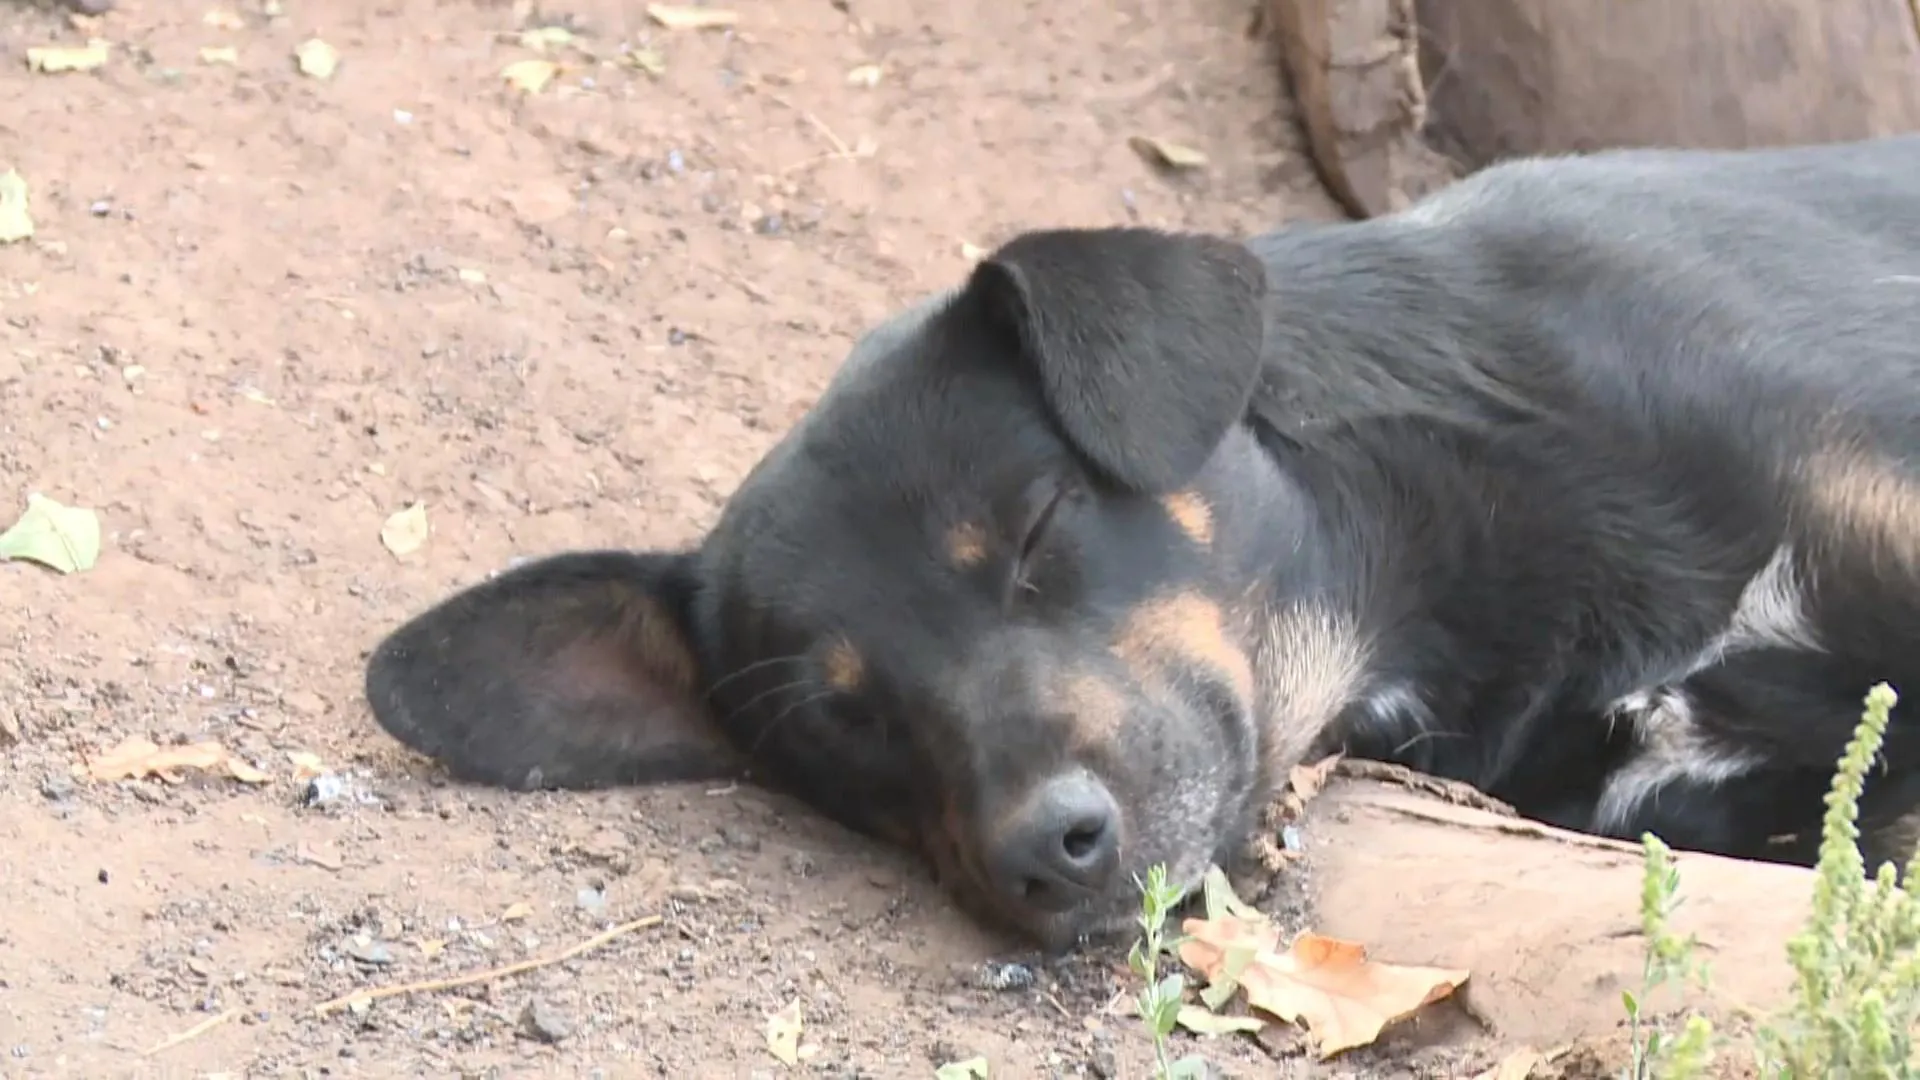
[{"x": 264, "y": 311}]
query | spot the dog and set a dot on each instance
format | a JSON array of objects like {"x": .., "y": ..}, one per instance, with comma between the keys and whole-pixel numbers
[{"x": 1591, "y": 482}]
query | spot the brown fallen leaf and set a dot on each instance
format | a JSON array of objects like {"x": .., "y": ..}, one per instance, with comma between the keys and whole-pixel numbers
[
  {"x": 1344, "y": 999},
  {"x": 1307, "y": 780},
  {"x": 783, "y": 1034},
  {"x": 685, "y": 17},
  {"x": 137, "y": 758},
  {"x": 1170, "y": 154},
  {"x": 516, "y": 912}
]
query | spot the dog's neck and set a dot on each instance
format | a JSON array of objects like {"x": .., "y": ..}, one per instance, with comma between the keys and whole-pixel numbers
[{"x": 1385, "y": 439}]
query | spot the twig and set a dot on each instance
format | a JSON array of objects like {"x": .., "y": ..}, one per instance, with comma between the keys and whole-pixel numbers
[
  {"x": 431, "y": 985},
  {"x": 191, "y": 1033}
]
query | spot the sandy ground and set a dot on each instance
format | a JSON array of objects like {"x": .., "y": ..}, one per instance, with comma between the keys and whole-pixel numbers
[{"x": 264, "y": 311}]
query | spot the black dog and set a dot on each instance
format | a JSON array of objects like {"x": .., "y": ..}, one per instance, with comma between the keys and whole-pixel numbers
[{"x": 1591, "y": 482}]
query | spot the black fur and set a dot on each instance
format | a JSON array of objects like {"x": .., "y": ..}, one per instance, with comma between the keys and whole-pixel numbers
[{"x": 1593, "y": 482}]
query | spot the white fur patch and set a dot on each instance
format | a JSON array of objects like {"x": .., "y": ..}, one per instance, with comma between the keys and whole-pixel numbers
[
  {"x": 1309, "y": 662},
  {"x": 1671, "y": 747}
]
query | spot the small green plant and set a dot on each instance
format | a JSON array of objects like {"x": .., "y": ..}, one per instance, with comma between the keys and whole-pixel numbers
[
  {"x": 1669, "y": 958},
  {"x": 1160, "y": 997},
  {"x": 1857, "y": 964}
]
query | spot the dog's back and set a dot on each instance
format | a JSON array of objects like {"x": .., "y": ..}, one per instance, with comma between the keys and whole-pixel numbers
[{"x": 1690, "y": 381}]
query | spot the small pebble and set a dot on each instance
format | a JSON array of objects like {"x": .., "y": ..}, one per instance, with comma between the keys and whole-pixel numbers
[
  {"x": 368, "y": 951},
  {"x": 545, "y": 1023},
  {"x": 1005, "y": 976},
  {"x": 56, "y": 786},
  {"x": 591, "y": 901}
]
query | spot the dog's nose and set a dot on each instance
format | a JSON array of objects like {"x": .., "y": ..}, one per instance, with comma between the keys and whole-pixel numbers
[{"x": 1063, "y": 847}]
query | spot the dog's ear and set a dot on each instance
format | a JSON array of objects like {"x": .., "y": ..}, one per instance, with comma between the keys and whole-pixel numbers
[
  {"x": 573, "y": 671},
  {"x": 1147, "y": 344}
]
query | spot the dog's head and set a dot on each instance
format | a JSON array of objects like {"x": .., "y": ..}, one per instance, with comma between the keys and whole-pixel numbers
[{"x": 988, "y": 598}]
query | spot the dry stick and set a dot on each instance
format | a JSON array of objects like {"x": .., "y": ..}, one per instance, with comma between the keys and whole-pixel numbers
[
  {"x": 488, "y": 975},
  {"x": 191, "y": 1033}
]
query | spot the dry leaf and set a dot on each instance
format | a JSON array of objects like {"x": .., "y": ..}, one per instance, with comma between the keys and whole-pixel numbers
[
  {"x": 542, "y": 38},
  {"x": 867, "y": 75},
  {"x": 1162, "y": 152},
  {"x": 683, "y": 17},
  {"x": 219, "y": 54},
  {"x": 1515, "y": 1066},
  {"x": 316, "y": 58},
  {"x": 16, "y": 223},
  {"x": 1204, "y": 1022},
  {"x": 64, "y": 538},
  {"x": 240, "y": 769},
  {"x": 137, "y": 758},
  {"x": 306, "y": 765},
  {"x": 55, "y": 59},
  {"x": 530, "y": 76},
  {"x": 783, "y": 1034},
  {"x": 1307, "y": 780},
  {"x": 223, "y": 20},
  {"x": 973, "y": 1068},
  {"x": 431, "y": 948},
  {"x": 406, "y": 531},
  {"x": 648, "y": 61},
  {"x": 1344, "y": 999},
  {"x": 516, "y": 912}
]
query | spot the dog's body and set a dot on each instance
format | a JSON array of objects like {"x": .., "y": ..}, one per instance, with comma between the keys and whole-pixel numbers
[{"x": 1594, "y": 483}]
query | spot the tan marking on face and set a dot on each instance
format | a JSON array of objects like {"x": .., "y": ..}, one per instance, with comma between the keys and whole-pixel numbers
[
  {"x": 1310, "y": 662},
  {"x": 1185, "y": 627},
  {"x": 1096, "y": 705},
  {"x": 844, "y": 667},
  {"x": 1191, "y": 514},
  {"x": 966, "y": 545},
  {"x": 1860, "y": 498}
]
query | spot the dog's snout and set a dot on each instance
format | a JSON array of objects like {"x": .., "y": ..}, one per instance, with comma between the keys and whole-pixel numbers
[{"x": 1062, "y": 847}]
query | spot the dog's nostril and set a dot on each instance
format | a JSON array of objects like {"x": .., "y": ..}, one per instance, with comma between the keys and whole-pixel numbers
[
  {"x": 1083, "y": 841},
  {"x": 1062, "y": 847}
]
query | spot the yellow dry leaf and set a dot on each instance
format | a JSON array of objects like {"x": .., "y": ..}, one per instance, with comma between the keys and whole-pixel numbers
[
  {"x": 219, "y": 54},
  {"x": 648, "y": 61},
  {"x": 432, "y": 947},
  {"x": 686, "y": 17},
  {"x": 867, "y": 75},
  {"x": 530, "y": 76},
  {"x": 1171, "y": 154},
  {"x": 137, "y": 758},
  {"x": 1344, "y": 999},
  {"x": 516, "y": 912},
  {"x": 65, "y": 538},
  {"x": 1203, "y": 1022},
  {"x": 973, "y": 1068},
  {"x": 783, "y": 1033},
  {"x": 316, "y": 58},
  {"x": 542, "y": 38},
  {"x": 306, "y": 765},
  {"x": 16, "y": 223},
  {"x": 55, "y": 59},
  {"x": 406, "y": 531}
]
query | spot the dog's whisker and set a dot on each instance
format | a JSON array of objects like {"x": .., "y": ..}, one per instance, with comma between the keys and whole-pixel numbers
[{"x": 748, "y": 669}]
